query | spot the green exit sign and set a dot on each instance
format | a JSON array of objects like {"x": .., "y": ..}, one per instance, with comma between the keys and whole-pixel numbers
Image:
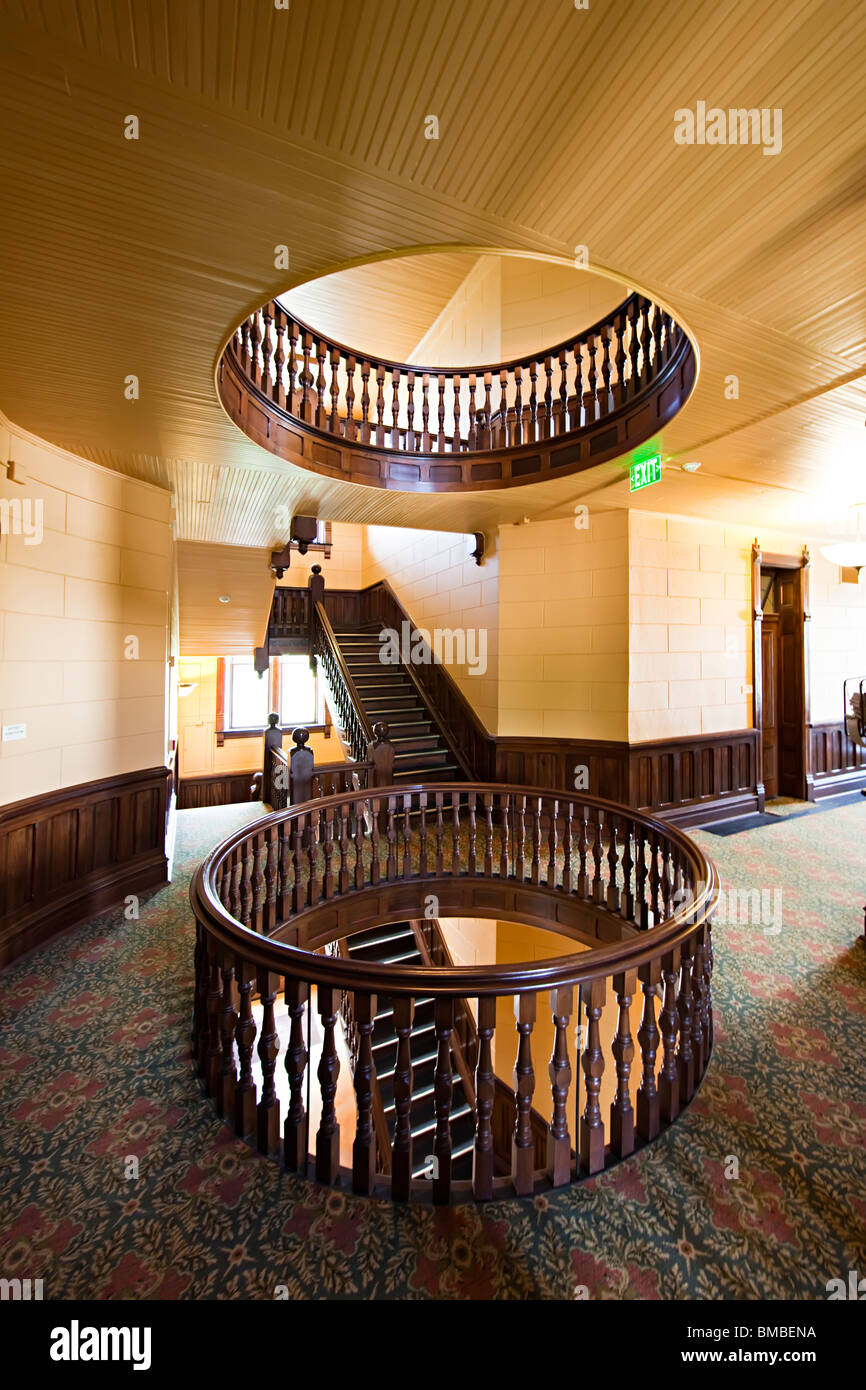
[{"x": 644, "y": 472}]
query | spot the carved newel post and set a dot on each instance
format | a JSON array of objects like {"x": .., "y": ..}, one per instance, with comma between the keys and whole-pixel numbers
[
  {"x": 273, "y": 739},
  {"x": 301, "y": 763}
]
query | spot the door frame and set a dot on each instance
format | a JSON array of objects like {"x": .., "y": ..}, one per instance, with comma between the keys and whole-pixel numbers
[{"x": 782, "y": 562}]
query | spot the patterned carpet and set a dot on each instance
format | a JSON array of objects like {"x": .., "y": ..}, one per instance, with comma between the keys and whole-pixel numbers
[{"x": 95, "y": 1070}]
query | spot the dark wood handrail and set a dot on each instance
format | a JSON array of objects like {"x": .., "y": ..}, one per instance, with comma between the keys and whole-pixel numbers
[
  {"x": 281, "y": 957},
  {"x": 325, "y": 646}
]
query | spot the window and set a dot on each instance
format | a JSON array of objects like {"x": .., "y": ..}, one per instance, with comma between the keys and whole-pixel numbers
[
  {"x": 247, "y": 695},
  {"x": 289, "y": 687},
  {"x": 299, "y": 699}
]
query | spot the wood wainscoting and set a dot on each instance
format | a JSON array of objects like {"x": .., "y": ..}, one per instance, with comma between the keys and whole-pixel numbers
[
  {"x": 71, "y": 853},
  {"x": 688, "y": 781},
  {"x": 838, "y": 764},
  {"x": 215, "y": 789}
]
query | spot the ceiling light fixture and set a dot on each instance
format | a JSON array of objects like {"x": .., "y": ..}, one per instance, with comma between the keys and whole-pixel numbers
[
  {"x": 225, "y": 598},
  {"x": 691, "y": 467}
]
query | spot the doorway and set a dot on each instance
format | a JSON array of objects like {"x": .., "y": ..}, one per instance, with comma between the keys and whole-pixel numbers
[{"x": 781, "y": 675}]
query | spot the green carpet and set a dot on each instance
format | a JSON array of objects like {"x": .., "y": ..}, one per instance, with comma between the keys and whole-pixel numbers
[{"x": 95, "y": 1071}]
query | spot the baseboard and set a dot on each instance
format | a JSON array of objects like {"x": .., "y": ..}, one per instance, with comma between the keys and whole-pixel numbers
[
  {"x": 835, "y": 783},
  {"x": 706, "y": 813},
  {"x": 85, "y": 899}
]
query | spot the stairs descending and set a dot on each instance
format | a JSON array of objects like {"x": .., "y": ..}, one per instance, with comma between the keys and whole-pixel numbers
[
  {"x": 389, "y": 694},
  {"x": 392, "y": 944}
]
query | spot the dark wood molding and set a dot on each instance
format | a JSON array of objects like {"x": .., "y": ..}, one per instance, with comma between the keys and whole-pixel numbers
[
  {"x": 758, "y": 668},
  {"x": 74, "y": 852},
  {"x": 215, "y": 789},
  {"x": 838, "y": 764}
]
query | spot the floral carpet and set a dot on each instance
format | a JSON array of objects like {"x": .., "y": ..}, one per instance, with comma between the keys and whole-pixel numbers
[{"x": 118, "y": 1181}]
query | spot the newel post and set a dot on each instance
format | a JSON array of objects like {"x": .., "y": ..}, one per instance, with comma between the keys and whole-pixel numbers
[
  {"x": 301, "y": 764},
  {"x": 381, "y": 754},
  {"x": 273, "y": 739},
  {"x": 317, "y": 595}
]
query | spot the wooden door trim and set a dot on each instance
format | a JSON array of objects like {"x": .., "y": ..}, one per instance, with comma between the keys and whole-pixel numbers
[{"x": 768, "y": 560}]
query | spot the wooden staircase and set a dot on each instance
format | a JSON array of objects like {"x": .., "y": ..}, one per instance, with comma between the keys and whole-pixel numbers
[{"x": 389, "y": 695}]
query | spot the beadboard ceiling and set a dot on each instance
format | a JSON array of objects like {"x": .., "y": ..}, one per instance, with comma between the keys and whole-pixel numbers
[{"x": 262, "y": 127}]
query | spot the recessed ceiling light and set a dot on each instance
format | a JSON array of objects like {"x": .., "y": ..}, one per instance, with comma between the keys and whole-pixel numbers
[
  {"x": 225, "y": 598},
  {"x": 691, "y": 467}
]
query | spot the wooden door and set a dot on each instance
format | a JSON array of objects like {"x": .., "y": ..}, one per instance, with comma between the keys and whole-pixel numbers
[
  {"x": 790, "y": 684},
  {"x": 770, "y": 701}
]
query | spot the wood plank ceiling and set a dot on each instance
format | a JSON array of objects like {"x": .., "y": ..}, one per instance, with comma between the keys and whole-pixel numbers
[{"x": 305, "y": 127}]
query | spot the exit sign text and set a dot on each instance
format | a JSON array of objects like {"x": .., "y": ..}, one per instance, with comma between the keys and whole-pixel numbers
[{"x": 644, "y": 472}]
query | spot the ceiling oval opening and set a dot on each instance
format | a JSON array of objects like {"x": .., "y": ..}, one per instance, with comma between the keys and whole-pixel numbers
[{"x": 454, "y": 371}]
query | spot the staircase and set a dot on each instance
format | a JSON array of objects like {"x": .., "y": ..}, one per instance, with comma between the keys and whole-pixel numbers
[
  {"x": 388, "y": 694},
  {"x": 389, "y": 945}
]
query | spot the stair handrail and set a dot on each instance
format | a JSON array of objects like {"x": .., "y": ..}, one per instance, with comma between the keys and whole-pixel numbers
[{"x": 356, "y": 724}]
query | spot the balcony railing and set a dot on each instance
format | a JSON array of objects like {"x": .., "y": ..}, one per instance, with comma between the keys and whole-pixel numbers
[
  {"x": 272, "y": 899},
  {"x": 393, "y": 424}
]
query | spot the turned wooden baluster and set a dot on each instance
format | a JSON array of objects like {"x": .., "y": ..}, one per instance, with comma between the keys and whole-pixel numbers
[
  {"x": 312, "y": 842},
  {"x": 597, "y": 884},
  {"x": 548, "y": 398},
  {"x": 279, "y": 390},
  {"x": 455, "y": 833},
  {"x": 423, "y": 868},
  {"x": 225, "y": 1096},
  {"x": 648, "y": 1112},
  {"x": 502, "y": 432},
  {"x": 645, "y": 341},
  {"x": 396, "y": 375},
  {"x": 255, "y": 339},
  {"x": 365, "y": 402},
  {"x": 258, "y": 882},
  {"x": 562, "y": 424},
  {"x": 214, "y": 1004},
  {"x": 552, "y": 844},
  {"x": 485, "y": 1091},
  {"x": 619, "y": 329},
  {"x": 515, "y": 433},
  {"x": 592, "y": 378},
  {"x": 328, "y": 878},
  {"x": 245, "y": 890},
  {"x": 582, "y": 847},
  {"x": 471, "y": 436},
  {"x": 425, "y": 413},
  {"x": 380, "y": 405},
  {"x": 698, "y": 1004},
  {"x": 343, "y": 877},
  {"x": 535, "y": 815},
  {"x": 334, "y": 418},
  {"x": 520, "y": 831},
  {"x": 443, "y": 1090},
  {"x": 321, "y": 356},
  {"x": 245, "y": 1037},
  {"x": 505, "y": 836},
  {"x": 411, "y": 434},
  {"x": 605, "y": 368},
  {"x": 634, "y": 347},
  {"x": 485, "y": 440},
  {"x": 391, "y": 870},
  {"x": 364, "y": 1145},
  {"x": 642, "y": 911},
  {"x": 295, "y": 1128},
  {"x": 307, "y": 380},
  {"x": 351, "y": 423},
  {"x": 533, "y": 400},
  {"x": 291, "y": 369},
  {"x": 440, "y": 436},
  {"x": 471, "y": 798},
  {"x": 268, "y": 1113},
  {"x": 655, "y": 880},
  {"x": 669, "y": 1085},
  {"x": 456, "y": 437},
  {"x": 269, "y": 906},
  {"x": 488, "y": 826},
  {"x": 627, "y": 901},
  {"x": 401, "y": 1151},
  {"x": 657, "y": 328},
  {"x": 568, "y": 849},
  {"x": 328, "y": 1136},
  {"x": 685, "y": 1007},
  {"x": 558, "y": 1137},
  {"x": 613, "y": 892},
  {"x": 377, "y": 806},
  {"x": 522, "y": 1145},
  {"x": 245, "y": 354},
  {"x": 622, "y": 1047},
  {"x": 440, "y": 833},
  {"x": 593, "y": 995}
]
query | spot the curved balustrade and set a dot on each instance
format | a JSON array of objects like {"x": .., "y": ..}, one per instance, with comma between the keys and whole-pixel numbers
[
  {"x": 271, "y": 901},
  {"x": 392, "y": 424}
]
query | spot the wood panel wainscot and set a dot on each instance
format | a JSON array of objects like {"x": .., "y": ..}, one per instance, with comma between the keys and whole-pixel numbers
[
  {"x": 838, "y": 763},
  {"x": 71, "y": 853},
  {"x": 217, "y": 789}
]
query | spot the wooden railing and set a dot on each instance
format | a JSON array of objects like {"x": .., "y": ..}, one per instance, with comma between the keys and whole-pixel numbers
[
  {"x": 297, "y": 777},
  {"x": 270, "y": 898},
  {"x": 445, "y": 420},
  {"x": 357, "y": 729}
]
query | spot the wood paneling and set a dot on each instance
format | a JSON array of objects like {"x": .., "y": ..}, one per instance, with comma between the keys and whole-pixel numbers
[
  {"x": 215, "y": 789},
  {"x": 75, "y": 852},
  {"x": 838, "y": 764}
]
